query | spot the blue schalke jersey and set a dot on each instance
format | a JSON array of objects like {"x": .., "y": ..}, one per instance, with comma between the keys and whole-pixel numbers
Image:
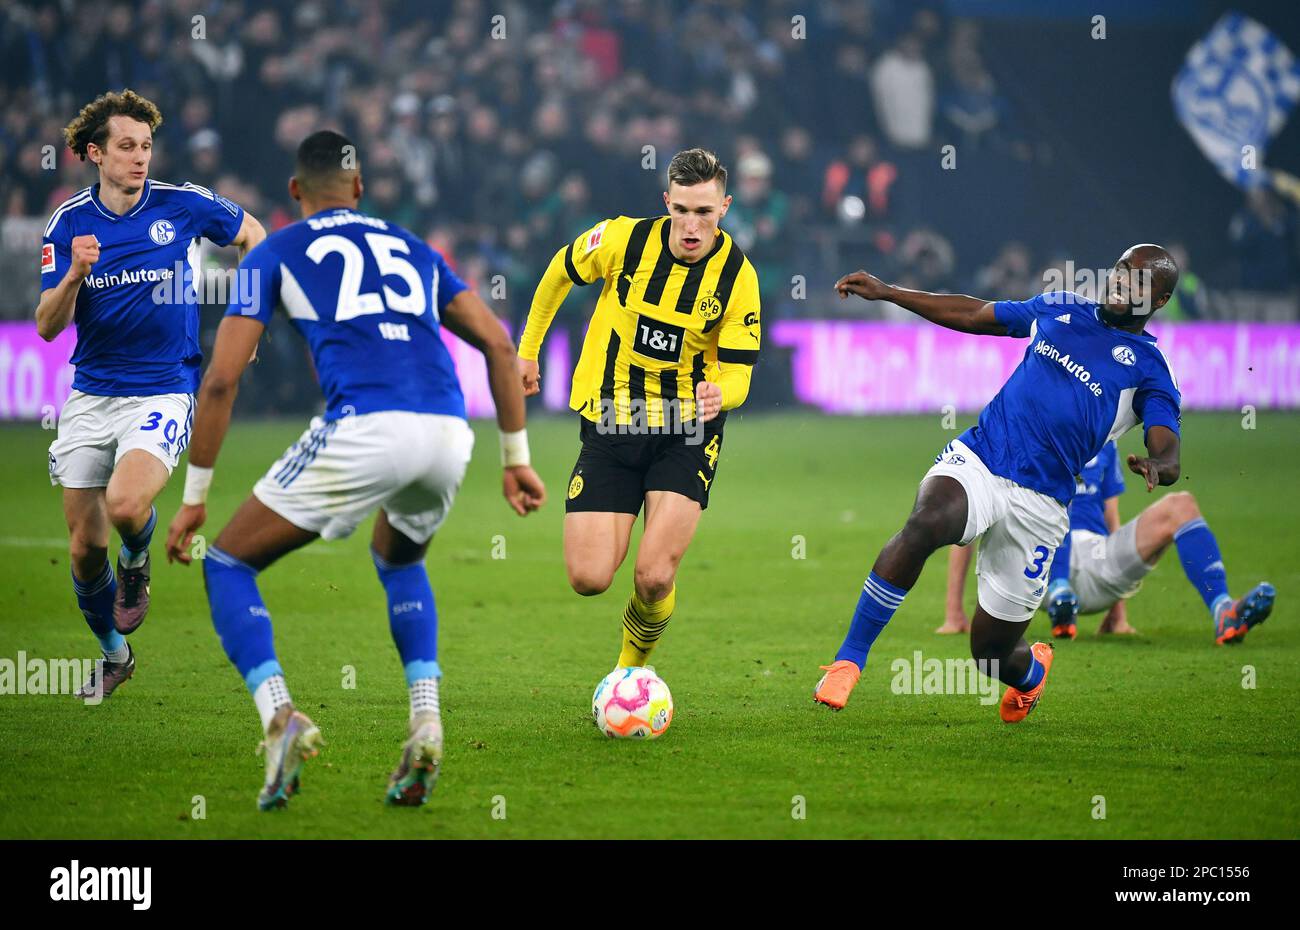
[
  {"x": 1100, "y": 480},
  {"x": 137, "y": 315},
  {"x": 1080, "y": 384},
  {"x": 368, "y": 297}
]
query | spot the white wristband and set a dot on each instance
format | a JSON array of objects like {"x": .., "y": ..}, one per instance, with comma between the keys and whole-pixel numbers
[
  {"x": 197, "y": 482},
  {"x": 514, "y": 449}
]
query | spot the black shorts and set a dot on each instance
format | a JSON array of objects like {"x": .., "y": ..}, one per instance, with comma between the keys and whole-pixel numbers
[{"x": 615, "y": 470}]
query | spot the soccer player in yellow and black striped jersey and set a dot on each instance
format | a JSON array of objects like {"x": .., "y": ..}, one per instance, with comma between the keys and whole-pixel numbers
[{"x": 669, "y": 350}]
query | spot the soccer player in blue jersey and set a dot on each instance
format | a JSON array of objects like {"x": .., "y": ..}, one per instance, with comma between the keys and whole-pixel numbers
[
  {"x": 118, "y": 260},
  {"x": 1090, "y": 373},
  {"x": 1101, "y": 562},
  {"x": 370, "y": 299}
]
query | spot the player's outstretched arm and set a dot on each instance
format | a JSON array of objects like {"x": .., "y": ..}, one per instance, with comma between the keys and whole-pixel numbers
[
  {"x": 58, "y": 304},
  {"x": 955, "y": 311},
  {"x": 470, "y": 319},
  {"x": 237, "y": 338},
  {"x": 1161, "y": 466},
  {"x": 251, "y": 232}
]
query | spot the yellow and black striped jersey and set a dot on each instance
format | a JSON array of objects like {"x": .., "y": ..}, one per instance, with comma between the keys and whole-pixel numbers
[{"x": 661, "y": 325}]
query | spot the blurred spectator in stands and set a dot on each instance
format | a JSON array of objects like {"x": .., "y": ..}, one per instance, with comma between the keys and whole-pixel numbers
[
  {"x": 1263, "y": 237},
  {"x": 757, "y": 220},
  {"x": 926, "y": 261},
  {"x": 972, "y": 105},
  {"x": 205, "y": 160},
  {"x": 1189, "y": 301},
  {"x": 840, "y": 112},
  {"x": 386, "y": 196},
  {"x": 902, "y": 86},
  {"x": 1009, "y": 276},
  {"x": 796, "y": 164},
  {"x": 36, "y": 182},
  {"x": 414, "y": 149},
  {"x": 863, "y": 174}
]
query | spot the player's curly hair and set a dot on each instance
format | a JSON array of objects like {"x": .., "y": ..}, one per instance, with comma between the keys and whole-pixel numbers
[
  {"x": 695, "y": 166},
  {"x": 91, "y": 124}
]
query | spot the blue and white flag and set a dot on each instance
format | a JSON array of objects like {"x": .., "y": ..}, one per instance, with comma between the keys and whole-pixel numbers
[{"x": 1236, "y": 89}]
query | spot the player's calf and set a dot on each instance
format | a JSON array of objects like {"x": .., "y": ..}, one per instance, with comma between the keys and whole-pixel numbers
[{"x": 937, "y": 519}]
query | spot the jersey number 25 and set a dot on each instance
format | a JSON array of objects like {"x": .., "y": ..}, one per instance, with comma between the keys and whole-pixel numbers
[{"x": 352, "y": 303}]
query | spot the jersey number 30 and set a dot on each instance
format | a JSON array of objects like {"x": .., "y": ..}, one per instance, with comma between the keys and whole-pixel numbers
[{"x": 352, "y": 303}]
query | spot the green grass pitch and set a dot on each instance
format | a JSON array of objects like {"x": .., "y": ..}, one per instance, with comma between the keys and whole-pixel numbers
[{"x": 1159, "y": 725}]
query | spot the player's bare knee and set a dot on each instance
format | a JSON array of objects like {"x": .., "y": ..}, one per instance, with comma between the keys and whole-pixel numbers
[
  {"x": 124, "y": 508},
  {"x": 588, "y": 581},
  {"x": 654, "y": 582},
  {"x": 1182, "y": 507}
]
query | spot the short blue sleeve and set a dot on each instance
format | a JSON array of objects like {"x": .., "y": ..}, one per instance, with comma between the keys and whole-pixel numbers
[
  {"x": 257, "y": 290},
  {"x": 1018, "y": 315},
  {"x": 447, "y": 283},
  {"x": 56, "y": 257},
  {"x": 218, "y": 219},
  {"x": 1157, "y": 400},
  {"x": 1112, "y": 479}
]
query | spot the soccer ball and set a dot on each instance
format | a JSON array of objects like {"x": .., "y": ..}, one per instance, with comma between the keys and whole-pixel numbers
[{"x": 632, "y": 703}]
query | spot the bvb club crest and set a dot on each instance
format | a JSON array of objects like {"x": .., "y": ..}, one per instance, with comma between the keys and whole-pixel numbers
[
  {"x": 575, "y": 487},
  {"x": 710, "y": 308}
]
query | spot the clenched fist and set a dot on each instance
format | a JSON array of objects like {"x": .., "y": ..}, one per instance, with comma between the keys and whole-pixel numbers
[{"x": 85, "y": 252}]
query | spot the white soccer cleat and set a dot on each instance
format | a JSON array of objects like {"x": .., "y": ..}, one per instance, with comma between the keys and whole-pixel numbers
[
  {"x": 414, "y": 778},
  {"x": 292, "y": 739}
]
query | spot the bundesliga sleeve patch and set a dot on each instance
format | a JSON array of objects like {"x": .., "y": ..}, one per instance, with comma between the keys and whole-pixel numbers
[
  {"x": 47, "y": 258},
  {"x": 594, "y": 237}
]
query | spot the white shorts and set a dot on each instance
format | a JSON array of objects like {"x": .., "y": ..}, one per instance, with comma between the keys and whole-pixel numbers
[
  {"x": 1105, "y": 569},
  {"x": 96, "y": 431},
  {"x": 1019, "y": 530},
  {"x": 340, "y": 472}
]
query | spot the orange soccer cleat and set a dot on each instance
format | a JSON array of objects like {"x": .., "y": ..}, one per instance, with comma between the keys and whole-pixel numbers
[
  {"x": 1017, "y": 704},
  {"x": 837, "y": 684}
]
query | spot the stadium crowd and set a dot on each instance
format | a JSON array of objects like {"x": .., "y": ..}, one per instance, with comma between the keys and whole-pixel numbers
[{"x": 501, "y": 130}]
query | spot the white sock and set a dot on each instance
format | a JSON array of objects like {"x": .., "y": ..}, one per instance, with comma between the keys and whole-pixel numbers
[
  {"x": 270, "y": 696},
  {"x": 133, "y": 561},
  {"x": 424, "y": 697},
  {"x": 118, "y": 655}
]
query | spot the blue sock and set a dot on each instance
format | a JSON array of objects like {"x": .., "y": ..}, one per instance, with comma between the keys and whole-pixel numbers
[
  {"x": 95, "y": 598},
  {"x": 1059, "y": 575},
  {"x": 1198, "y": 550},
  {"x": 135, "y": 547},
  {"x": 1033, "y": 676},
  {"x": 240, "y": 617},
  {"x": 876, "y": 605},
  {"x": 412, "y": 616}
]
